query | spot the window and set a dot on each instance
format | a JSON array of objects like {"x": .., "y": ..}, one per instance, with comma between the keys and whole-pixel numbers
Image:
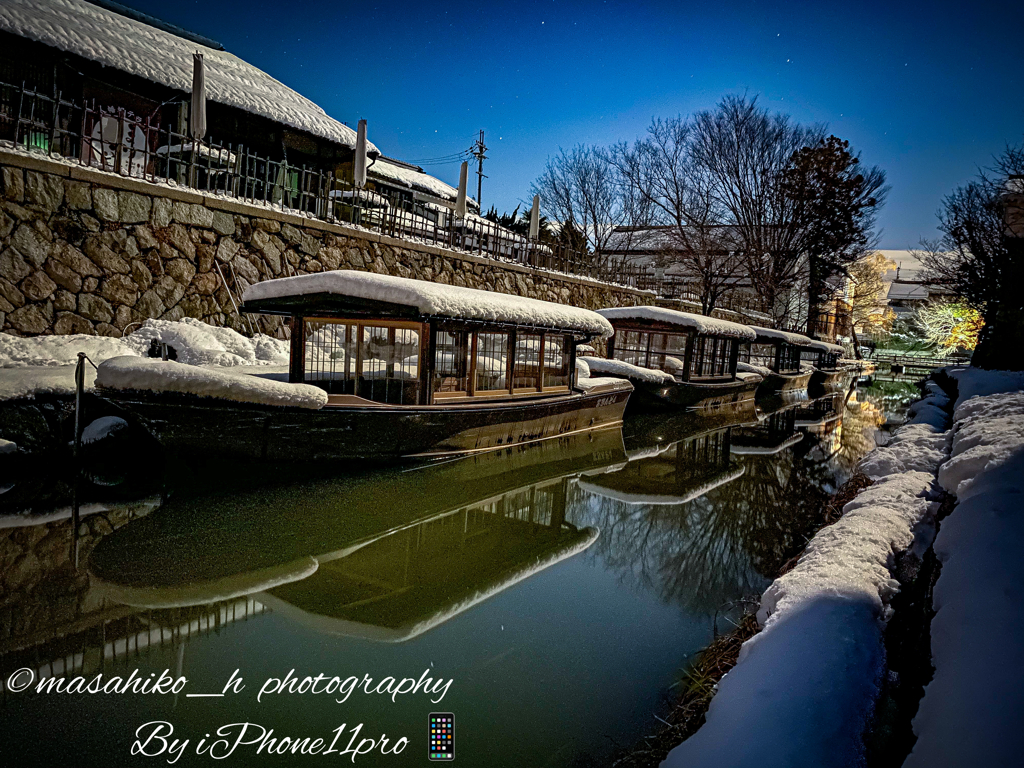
[
  {"x": 789, "y": 359},
  {"x": 711, "y": 357},
  {"x": 631, "y": 347},
  {"x": 763, "y": 355},
  {"x": 491, "y": 361},
  {"x": 451, "y": 361},
  {"x": 330, "y": 360},
  {"x": 526, "y": 368},
  {"x": 556, "y": 360},
  {"x": 668, "y": 353}
]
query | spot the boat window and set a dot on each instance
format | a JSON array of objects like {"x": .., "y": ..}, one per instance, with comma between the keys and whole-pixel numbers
[
  {"x": 789, "y": 359},
  {"x": 491, "y": 361},
  {"x": 763, "y": 355},
  {"x": 526, "y": 368},
  {"x": 668, "y": 352},
  {"x": 330, "y": 359},
  {"x": 451, "y": 361},
  {"x": 711, "y": 357},
  {"x": 631, "y": 347},
  {"x": 556, "y": 360},
  {"x": 390, "y": 365}
]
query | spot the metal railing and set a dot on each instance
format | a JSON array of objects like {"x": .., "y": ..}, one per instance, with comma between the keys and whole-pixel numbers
[{"x": 116, "y": 140}]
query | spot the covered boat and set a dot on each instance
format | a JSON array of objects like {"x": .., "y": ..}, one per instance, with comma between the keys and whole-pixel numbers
[
  {"x": 381, "y": 367},
  {"x": 825, "y": 358},
  {"x": 776, "y": 357},
  {"x": 676, "y": 359}
]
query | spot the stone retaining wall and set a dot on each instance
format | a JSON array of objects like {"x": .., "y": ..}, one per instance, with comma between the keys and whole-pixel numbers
[{"x": 83, "y": 251}]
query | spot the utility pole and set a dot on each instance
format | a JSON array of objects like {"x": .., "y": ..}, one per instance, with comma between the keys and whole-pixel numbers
[{"x": 478, "y": 149}]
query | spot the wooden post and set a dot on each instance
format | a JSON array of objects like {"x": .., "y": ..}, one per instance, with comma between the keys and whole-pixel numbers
[{"x": 297, "y": 361}]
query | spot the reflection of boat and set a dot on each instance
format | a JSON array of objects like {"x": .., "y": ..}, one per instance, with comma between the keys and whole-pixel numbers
[
  {"x": 386, "y": 556},
  {"x": 819, "y": 412},
  {"x": 381, "y": 367},
  {"x": 653, "y": 433},
  {"x": 676, "y": 359},
  {"x": 684, "y": 471},
  {"x": 773, "y": 434}
]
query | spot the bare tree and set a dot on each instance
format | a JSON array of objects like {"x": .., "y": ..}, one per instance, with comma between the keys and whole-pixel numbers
[
  {"x": 684, "y": 220},
  {"x": 744, "y": 152},
  {"x": 980, "y": 256}
]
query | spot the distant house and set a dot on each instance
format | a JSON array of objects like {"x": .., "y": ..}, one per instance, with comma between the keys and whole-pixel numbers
[{"x": 908, "y": 288}]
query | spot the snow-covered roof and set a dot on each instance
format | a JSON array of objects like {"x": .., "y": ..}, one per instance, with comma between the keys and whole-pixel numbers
[
  {"x": 797, "y": 339},
  {"x": 155, "y": 54},
  {"x": 411, "y": 177},
  {"x": 707, "y": 326},
  {"x": 434, "y": 300},
  {"x": 824, "y": 346}
]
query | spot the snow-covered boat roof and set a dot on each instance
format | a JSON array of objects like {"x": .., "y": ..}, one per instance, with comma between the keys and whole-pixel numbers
[
  {"x": 365, "y": 292},
  {"x": 705, "y": 326},
  {"x": 630, "y": 490},
  {"x": 824, "y": 346},
  {"x": 158, "y": 55},
  {"x": 770, "y": 334}
]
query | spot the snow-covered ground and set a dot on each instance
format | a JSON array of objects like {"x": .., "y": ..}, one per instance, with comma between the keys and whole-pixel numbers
[
  {"x": 804, "y": 687},
  {"x": 46, "y": 364},
  {"x": 972, "y": 709}
]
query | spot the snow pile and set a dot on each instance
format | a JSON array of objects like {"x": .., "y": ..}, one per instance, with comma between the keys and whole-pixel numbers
[
  {"x": 760, "y": 370},
  {"x": 582, "y": 368},
  {"x": 973, "y": 382},
  {"x": 972, "y": 709},
  {"x": 193, "y": 341},
  {"x": 914, "y": 448},
  {"x": 139, "y": 49},
  {"x": 133, "y": 373},
  {"x": 435, "y": 299},
  {"x": 806, "y": 684},
  {"x": 624, "y": 370},
  {"x": 710, "y": 326}
]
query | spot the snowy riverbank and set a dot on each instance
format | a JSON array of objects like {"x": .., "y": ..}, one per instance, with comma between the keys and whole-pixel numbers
[{"x": 805, "y": 687}]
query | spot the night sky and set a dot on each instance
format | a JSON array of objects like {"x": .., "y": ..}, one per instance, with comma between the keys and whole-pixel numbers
[{"x": 927, "y": 91}]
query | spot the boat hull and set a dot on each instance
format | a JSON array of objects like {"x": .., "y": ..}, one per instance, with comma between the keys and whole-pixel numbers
[
  {"x": 783, "y": 382},
  {"x": 648, "y": 397},
  {"x": 192, "y": 426}
]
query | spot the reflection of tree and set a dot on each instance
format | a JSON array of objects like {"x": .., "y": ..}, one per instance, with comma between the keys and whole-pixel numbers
[{"x": 733, "y": 540}]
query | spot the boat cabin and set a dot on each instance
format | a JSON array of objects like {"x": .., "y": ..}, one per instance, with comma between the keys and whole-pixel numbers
[
  {"x": 822, "y": 355},
  {"x": 778, "y": 351},
  {"x": 686, "y": 346},
  {"x": 367, "y": 338}
]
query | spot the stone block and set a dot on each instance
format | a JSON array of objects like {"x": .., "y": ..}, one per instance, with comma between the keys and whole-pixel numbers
[
  {"x": 192, "y": 214},
  {"x": 90, "y": 284},
  {"x": 162, "y": 213},
  {"x": 223, "y": 223},
  {"x": 104, "y": 204},
  {"x": 77, "y": 195},
  {"x": 245, "y": 269},
  {"x": 120, "y": 289},
  {"x": 141, "y": 275},
  {"x": 32, "y": 319},
  {"x": 13, "y": 266},
  {"x": 226, "y": 249},
  {"x": 104, "y": 258},
  {"x": 177, "y": 236},
  {"x": 169, "y": 290},
  {"x": 91, "y": 223},
  {"x": 133, "y": 208},
  {"x": 13, "y": 180},
  {"x": 68, "y": 323},
  {"x": 95, "y": 308},
  {"x": 70, "y": 256},
  {"x": 205, "y": 283},
  {"x": 181, "y": 270},
  {"x": 31, "y": 244},
  {"x": 64, "y": 301},
  {"x": 204, "y": 257},
  {"x": 10, "y": 293},
  {"x": 43, "y": 191},
  {"x": 150, "y": 304},
  {"x": 38, "y": 286},
  {"x": 267, "y": 225},
  {"x": 106, "y": 329}
]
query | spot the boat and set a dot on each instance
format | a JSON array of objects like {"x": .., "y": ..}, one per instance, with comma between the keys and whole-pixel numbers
[
  {"x": 776, "y": 357},
  {"x": 380, "y": 368},
  {"x": 675, "y": 359},
  {"x": 825, "y": 358}
]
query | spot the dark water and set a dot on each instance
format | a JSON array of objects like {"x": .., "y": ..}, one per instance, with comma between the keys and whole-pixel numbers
[{"x": 552, "y": 594}]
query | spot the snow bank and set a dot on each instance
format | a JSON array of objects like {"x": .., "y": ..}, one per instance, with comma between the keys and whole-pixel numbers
[
  {"x": 972, "y": 709},
  {"x": 139, "y": 49},
  {"x": 600, "y": 365},
  {"x": 194, "y": 341},
  {"x": 975, "y": 382},
  {"x": 134, "y": 373},
  {"x": 804, "y": 687},
  {"x": 434, "y": 299},
  {"x": 710, "y": 326}
]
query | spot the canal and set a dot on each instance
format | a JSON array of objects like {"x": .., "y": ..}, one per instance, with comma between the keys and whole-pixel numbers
[{"x": 552, "y": 594}]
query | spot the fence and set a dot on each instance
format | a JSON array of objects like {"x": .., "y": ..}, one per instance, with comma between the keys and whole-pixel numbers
[{"x": 119, "y": 141}]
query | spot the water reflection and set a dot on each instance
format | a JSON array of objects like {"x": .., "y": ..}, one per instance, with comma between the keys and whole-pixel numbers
[{"x": 562, "y": 586}]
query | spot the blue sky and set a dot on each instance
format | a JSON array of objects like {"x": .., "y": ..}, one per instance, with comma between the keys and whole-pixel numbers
[{"x": 927, "y": 91}]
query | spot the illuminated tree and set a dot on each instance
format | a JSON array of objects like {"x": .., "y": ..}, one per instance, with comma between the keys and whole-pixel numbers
[{"x": 950, "y": 325}]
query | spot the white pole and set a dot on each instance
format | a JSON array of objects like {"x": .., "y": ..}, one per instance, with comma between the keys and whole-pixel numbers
[
  {"x": 535, "y": 218},
  {"x": 460, "y": 201},
  {"x": 360, "y": 163}
]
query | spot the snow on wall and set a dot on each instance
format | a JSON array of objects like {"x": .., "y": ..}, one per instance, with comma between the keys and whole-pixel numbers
[
  {"x": 162, "y": 57},
  {"x": 435, "y": 299},
  {"x": 135, "y": 373},
  {"x": 620, "y": 369},
  {"x": 972, "y": 709},
  {"x": 711, "y": 326},
  {"x": 804, "y": 687}
]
